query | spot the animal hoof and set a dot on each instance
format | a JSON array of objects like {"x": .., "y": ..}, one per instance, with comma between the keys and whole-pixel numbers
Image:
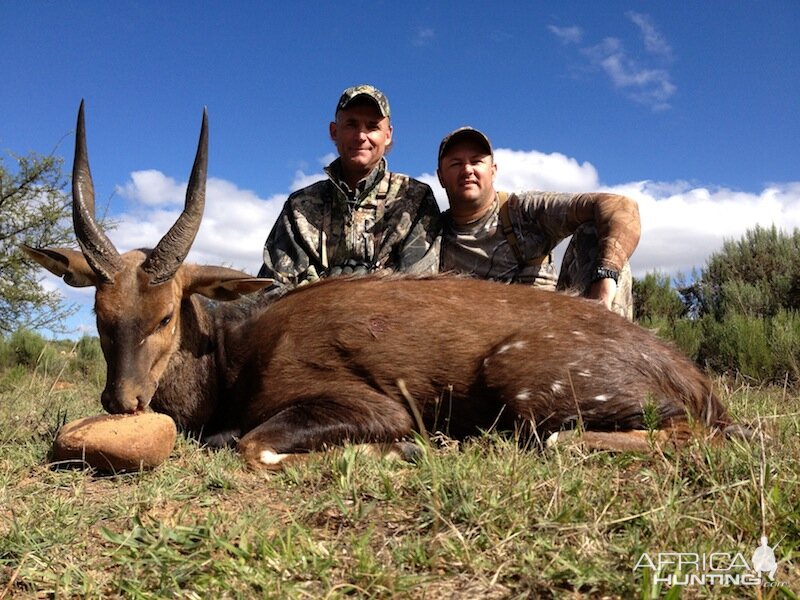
[{"x": 410, "y": 451}]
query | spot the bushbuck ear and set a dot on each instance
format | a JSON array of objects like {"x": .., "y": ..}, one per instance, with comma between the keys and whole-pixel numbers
[
  {"x": 219, "y": 283},
  {"x": 64, "y": 262}
]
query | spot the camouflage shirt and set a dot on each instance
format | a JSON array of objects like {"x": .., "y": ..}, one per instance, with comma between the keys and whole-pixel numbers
[
  {"x": 390, "y": 221},
  {"x": 541, "y": 220}
]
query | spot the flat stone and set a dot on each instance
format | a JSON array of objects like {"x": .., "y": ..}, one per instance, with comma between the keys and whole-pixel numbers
[{"x": 115, "y": 443}]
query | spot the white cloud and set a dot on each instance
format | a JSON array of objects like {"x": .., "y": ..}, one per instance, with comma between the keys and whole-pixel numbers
[
  {"x": 234, "y": 227},
  {"x": 152, "y": 188},
  {"x": 654, "y": 42},
  {"x": 646, "y": 84},
  {"x": 302, "y": 180},
  {"x": 652, "y": 87},
  {"x": 567, "y": 35},
  {"x": 519, "y": 170},
  {"x": 682, "y": 226}
]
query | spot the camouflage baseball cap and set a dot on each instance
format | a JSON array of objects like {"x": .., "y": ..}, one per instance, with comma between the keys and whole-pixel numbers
[
  {"x": 463, "y": 133},
  {"x": 370, "y": 92}
]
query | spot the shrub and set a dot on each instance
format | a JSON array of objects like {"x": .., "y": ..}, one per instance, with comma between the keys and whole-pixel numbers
[
  {"x": 688, "y": 336},
  {"x": 12, "y": 377},
  {"x": 785, "y": 343},
  {"x": 27, "y": 347},
  {"x": 739, "y": 344},
  {"x": 88, "y": 349},
  {"x": 654, "y": 298},
  {"x": 89, "y": 360},
  {"x": 6, "y": 355},
  {"x": 764, "y": 263}
]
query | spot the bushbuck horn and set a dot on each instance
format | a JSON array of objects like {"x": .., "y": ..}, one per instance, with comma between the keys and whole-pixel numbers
[
  {"x": 100, "y": 253},
  {"x": 172, "y": 249}
]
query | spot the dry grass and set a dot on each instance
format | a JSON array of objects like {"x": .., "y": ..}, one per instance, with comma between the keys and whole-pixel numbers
[{"x": 485, "y": 519}]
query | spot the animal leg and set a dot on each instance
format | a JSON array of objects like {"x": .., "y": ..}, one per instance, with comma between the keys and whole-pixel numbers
[
  {"x": 320, "y": 423},
  {"x": 636, "y": 440}
]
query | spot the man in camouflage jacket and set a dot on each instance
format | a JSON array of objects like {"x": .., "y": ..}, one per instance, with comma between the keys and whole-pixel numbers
[
  {"x": 363, "y": 218},
  {"x": 510, "y": 237}
]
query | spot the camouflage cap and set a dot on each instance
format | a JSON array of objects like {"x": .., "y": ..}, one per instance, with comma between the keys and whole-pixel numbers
[
  {"x": 370, "y": 92},
  {"x": 461, "y": 133}
]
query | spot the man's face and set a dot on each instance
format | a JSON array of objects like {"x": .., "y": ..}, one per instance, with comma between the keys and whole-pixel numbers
[
  {"x": 467, "y": 172},
  {"x": 361, "y": 135}
]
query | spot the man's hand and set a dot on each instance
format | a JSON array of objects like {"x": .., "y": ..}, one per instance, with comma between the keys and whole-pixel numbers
[{"x": 604, "y": 290}]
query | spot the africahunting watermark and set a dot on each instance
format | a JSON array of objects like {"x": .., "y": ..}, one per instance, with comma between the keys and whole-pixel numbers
[{"x": 713, "y": 568}]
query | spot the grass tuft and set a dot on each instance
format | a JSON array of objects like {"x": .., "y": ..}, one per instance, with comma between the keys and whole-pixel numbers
[{"x": 477, "y": 519}]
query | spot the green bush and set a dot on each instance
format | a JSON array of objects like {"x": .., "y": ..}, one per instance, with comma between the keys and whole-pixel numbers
[
  {"x": 6, "y": 355},
  {"x": 687, "y": 334},
  {"x": 89, "y": 361},
  {"x": 655, "y": 298},
  {"x": 88, "y": 349},
  {"x": 12, "y": 377},
  {"x": 740, "y": 314},
  {"x": 785, "y": 343},
  {"x": 27, "y": 347},
  {"x": 29, "y": 351},
  {"x": 739, "y": 297},
  {"x": 739, "y": 344},
  {"x": 757, "y": 274}
]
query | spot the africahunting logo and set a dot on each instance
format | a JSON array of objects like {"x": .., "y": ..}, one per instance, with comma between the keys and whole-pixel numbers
[{"x": 714, "y": 568}]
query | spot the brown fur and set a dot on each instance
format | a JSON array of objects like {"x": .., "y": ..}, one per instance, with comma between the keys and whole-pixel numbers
[{"x": 472, "y": 354}]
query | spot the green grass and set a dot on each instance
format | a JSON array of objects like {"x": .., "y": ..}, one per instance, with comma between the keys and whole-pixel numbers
[{"x": 482, "y": 519}]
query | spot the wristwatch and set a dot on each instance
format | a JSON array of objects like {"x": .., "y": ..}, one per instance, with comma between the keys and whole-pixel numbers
[{"x": 603, "y": 273}]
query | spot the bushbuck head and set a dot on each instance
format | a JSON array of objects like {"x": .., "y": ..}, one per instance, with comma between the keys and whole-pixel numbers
[{"x": 142, "y": 294}]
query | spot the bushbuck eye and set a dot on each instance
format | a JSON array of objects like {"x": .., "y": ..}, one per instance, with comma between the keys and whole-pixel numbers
[{"x": 165, "y": 321}]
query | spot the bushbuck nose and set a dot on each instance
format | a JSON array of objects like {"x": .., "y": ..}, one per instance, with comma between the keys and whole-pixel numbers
[{"x": 124, "y": 398}]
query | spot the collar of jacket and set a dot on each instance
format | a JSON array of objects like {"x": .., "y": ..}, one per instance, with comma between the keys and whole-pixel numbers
[{"x": 353, "y": 198}]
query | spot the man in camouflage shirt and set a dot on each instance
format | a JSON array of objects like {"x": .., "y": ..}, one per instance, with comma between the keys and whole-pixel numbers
[
  {"x": 363, "y": 218},
  {"x": 514, "y": 243}
]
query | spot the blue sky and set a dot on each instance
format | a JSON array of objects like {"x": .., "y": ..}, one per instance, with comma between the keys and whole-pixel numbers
[{"x": 690, "y": 108}]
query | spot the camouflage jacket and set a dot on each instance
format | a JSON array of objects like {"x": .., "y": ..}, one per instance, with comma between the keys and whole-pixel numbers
[
  {"x": 541, "y": 220},
  {"x": 390, "y": 222}
]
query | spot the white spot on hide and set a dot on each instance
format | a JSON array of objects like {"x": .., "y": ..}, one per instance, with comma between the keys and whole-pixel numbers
[
  {"x": 512, "y": 346},
  {"x": 584, "y": 374},
  {"x": 557, "y": 387},
  {"x": 524, "y": 395},
  {"x": 601, "y": 398},
  {"x": 268, "y": 457}
]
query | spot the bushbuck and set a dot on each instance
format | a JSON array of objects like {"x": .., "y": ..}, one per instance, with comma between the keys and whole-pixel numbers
[{"x": 363, "y": 360}]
